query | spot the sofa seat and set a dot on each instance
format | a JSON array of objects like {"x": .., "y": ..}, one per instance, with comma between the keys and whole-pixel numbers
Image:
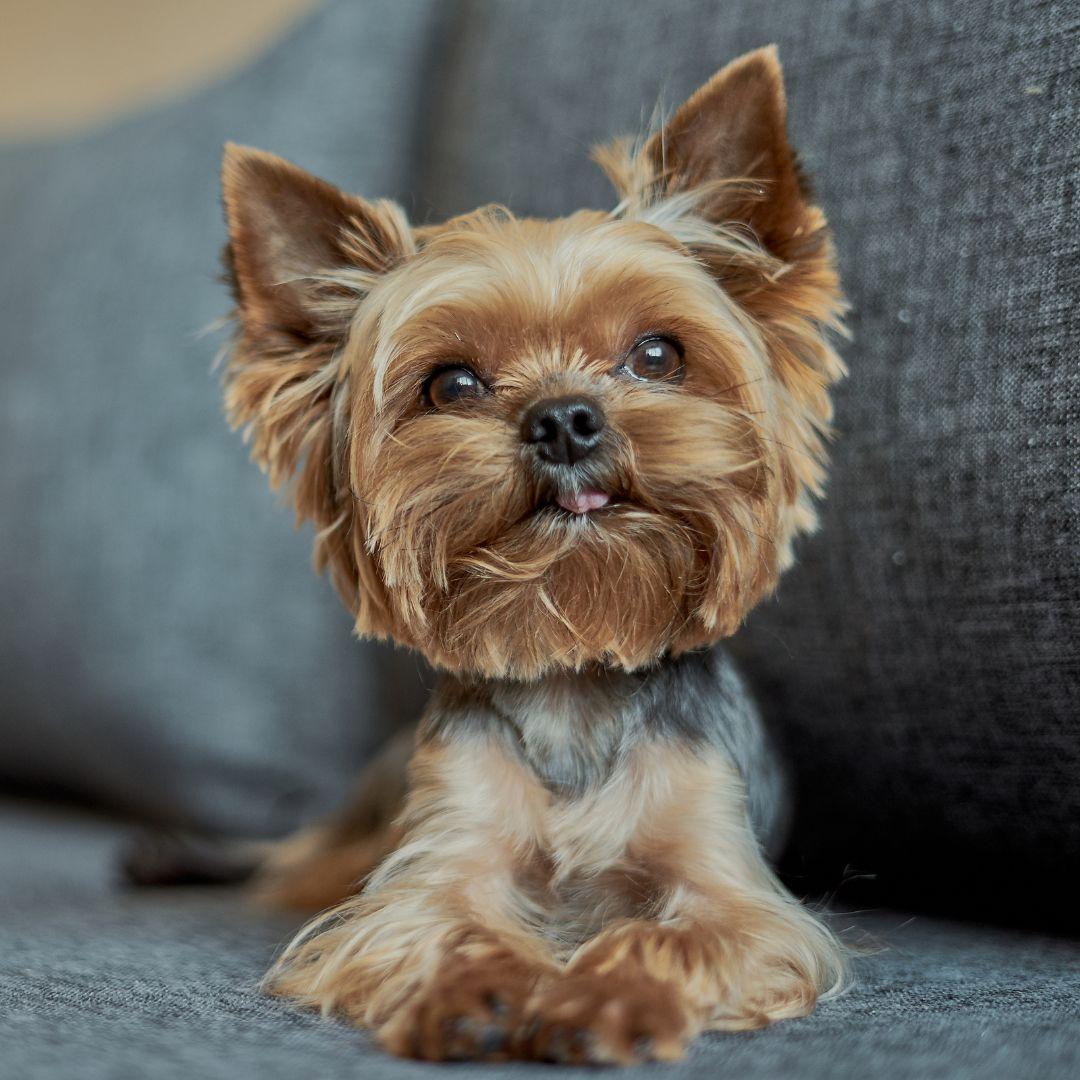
[{"x": 99, "y": 981}]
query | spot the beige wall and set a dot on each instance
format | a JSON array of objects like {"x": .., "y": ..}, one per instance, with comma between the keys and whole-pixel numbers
[{"x": 66, "y": 64}]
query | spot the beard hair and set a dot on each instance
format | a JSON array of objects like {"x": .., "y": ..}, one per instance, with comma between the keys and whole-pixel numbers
[{"x": 484, "y": 575}]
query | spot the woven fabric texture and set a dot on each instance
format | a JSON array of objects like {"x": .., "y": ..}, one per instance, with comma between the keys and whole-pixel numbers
[
  {"x": 97, "y": 985},
  {"x": 922, "y": 662}
]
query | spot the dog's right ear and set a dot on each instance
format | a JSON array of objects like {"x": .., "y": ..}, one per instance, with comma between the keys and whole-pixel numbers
[
  {"x": 299, "y": 248},
  {"x": 300, "y": 258}
]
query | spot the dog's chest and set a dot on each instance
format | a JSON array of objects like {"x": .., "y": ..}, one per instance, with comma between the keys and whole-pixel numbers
[
  {"x": 584, "y": 871},
  {"x": 571, "y": 733}
]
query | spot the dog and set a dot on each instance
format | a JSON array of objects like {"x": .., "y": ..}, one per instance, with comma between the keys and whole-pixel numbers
[{"x": 561, "y": 460}]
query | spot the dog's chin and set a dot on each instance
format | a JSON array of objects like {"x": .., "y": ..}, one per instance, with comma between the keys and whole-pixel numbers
[{"x": 597, "y": 581}]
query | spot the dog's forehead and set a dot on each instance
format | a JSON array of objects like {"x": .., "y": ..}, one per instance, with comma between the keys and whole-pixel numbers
[
  {"x": 497, "y": 285},
  {"x": 554, "y": 252}
]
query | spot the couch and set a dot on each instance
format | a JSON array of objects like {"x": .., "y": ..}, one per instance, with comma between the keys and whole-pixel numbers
[{"x": 166, "y": 656}]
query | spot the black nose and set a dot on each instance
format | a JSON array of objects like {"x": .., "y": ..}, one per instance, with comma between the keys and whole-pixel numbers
[{"x": 563, "y": 430}]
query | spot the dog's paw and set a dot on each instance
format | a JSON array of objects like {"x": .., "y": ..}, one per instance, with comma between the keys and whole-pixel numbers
[
  {"x": 473, "y": 1010},
  {"x": 588, "y": 1018},
  {"x": 774, "y": 969},
  {"x": 768, "y": 985}
]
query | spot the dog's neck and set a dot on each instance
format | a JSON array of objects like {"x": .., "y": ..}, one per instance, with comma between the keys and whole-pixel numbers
[
  {"x": 572, "y": 727},
  {"x": 569, "y": 726}
]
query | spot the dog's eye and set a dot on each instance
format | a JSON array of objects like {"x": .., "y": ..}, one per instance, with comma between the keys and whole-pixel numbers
[
  {"x": 451, "y": 384},
  {"x": 656, "y": 359}
]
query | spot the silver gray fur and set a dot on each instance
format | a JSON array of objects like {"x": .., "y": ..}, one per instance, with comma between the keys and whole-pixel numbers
[{"x": 574, "y": 729}]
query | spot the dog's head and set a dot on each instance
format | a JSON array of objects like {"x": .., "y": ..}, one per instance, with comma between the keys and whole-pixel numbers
[{"x": 527, "y": 444}]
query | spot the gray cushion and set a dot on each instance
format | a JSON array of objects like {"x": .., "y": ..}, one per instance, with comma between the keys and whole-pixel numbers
[
  {"x": 922, "y": 661},
  {"x": 95, "y": 984},
  {"x": 163, "y": 643}
]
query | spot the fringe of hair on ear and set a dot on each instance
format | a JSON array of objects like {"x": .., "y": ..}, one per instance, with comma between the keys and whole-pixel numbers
[
  {"x": 289, "y": 395},
  {"x": 371, "y": 247},
  {"x": 284, "y": 399},
  {"x": 642, "y": 197}
]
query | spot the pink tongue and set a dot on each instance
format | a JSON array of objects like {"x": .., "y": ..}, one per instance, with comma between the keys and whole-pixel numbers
[{"x": 584, "y": 502}]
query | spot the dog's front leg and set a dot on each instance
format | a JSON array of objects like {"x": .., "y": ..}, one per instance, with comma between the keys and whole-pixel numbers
[
  {"x": 436, "y": 955},
  {"x": 720, "y": 944}
]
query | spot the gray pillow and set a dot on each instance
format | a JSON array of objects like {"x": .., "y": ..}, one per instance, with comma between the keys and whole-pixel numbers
[
  {"x": 162, "y": 641},
  {"x": 164, "y": 645},
  {"x": 922, "y": 662}
]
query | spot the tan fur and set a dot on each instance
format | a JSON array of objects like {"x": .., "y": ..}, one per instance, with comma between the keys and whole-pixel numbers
[
  {"x": 505, "y": 920},
  {"x": 501, "y": 884},
  {"x": 426, "y": 520},
  {"x": 443, "y": 906}
]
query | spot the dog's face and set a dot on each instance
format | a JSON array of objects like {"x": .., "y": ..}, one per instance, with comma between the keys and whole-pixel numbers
[{"x": 529, "y": 444}]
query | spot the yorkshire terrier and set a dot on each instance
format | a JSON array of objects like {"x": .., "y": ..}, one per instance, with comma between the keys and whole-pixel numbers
[{"x": 560, "y": 459}]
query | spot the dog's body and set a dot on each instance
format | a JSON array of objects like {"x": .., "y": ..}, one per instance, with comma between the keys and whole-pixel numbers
[
  {"x": 561, "y": 460},
  {"x": 575, "y": 733},
  {"x": 574, "y": 811}
]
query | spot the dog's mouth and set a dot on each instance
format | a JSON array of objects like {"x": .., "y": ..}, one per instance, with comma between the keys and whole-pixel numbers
[
  {"x": 580, "y": 497},
  {"x": 585, "y": 501},
  {"x": 581, "y": 502}
]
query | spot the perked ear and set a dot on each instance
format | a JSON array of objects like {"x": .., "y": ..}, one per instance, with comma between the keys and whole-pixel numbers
[
  {"x": 726, "y": 151},
  {"x": 298, "y": 246}
]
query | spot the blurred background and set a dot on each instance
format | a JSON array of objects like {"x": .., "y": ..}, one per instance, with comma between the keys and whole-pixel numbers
[
  {"x": 167, "y": 657},
  {"x": 159, "y": 658},
  {"x": 67, "y": 66},
  {"x": 166, "y": 653}
]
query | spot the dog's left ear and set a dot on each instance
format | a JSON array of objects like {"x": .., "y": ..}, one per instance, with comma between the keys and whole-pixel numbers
[
  {"x": 725, "y": 156},
  {"x": 297, "y": 245},
  {"x": 301, "y": 254}
]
